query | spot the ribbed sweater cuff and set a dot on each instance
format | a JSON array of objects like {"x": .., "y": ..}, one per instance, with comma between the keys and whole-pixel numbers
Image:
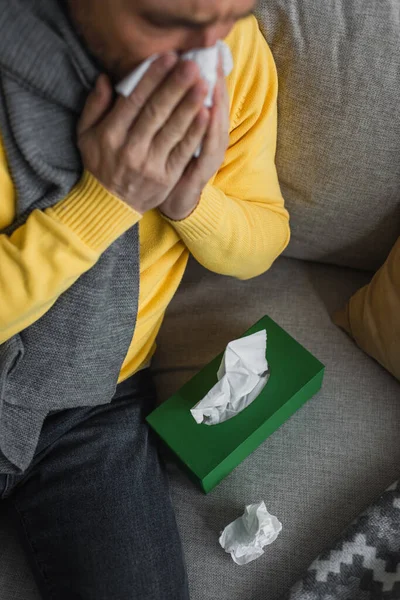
[
  {"x": 205, "y": 219},
  {"x": 94, "y": 214}
]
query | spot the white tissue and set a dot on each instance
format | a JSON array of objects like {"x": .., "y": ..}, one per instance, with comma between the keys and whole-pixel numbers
[
  {"x": 242, "y": 376},
  {"x": 206, "y": 58},
  {"x": 245, "y": 538}
]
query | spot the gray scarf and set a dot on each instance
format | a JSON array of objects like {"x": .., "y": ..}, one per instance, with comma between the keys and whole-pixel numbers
[{"x": 71, "y": 356}]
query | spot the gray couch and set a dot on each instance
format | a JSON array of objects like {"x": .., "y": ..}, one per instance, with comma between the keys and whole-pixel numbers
[{"x": 339, "y": 164}]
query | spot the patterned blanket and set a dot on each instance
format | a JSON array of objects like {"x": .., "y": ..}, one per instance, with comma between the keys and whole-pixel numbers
[{"x": 364, "y": 564}]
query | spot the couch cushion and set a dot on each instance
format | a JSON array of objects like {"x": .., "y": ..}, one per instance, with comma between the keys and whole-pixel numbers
[
  {"x": 372, "y": 315},
  {"x": 339, "y": 125},
  {"x": 317, "y": 472}
]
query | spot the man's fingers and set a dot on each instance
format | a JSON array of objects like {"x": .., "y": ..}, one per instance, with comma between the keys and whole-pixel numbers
[
  {"x": 183, "y": 153},
  {"x": 220, "y": 66},
  {"x": 225, "y": 94},
  {"x": 219, "y": 119},
  {"x": 126, "y": 110},
  {"x": 212, "y": 139},
  {"x": 225, "y": 105},
  {"x": 164, "y": 101},
  {"x": 96, "y": 105},
  {"x": 222, "y": 81},
  {"x": 177, "y": 126}
]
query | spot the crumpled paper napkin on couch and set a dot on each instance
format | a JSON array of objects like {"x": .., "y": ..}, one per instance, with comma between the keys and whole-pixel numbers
[
  {"x": 246, "y": 537},
  {"x": 242, "y": 376}
]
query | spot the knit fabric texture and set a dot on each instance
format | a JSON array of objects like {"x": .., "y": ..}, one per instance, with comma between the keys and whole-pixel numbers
[
  {"x": 365, "y": 563},
  {"x": 72, "y": 356}
]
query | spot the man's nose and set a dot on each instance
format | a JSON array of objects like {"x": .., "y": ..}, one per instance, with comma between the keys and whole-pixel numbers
[
  {"x": 207, "y": 37},
  {"x": 210, "y": 36}
]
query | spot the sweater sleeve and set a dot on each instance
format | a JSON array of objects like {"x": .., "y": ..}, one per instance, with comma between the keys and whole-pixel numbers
[
  {"x": 46, "y": 255},
  {"x": 240, "y": 225}
]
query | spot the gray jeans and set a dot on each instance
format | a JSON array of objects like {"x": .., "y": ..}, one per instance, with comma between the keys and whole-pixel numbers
[{"x": 94, "y": 510}]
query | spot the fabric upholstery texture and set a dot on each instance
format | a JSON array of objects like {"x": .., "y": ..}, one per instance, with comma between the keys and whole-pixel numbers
[
  {"x": 328, "y": 463},
  {"x": 310, "y": 472},
  {"x": 372, "y": 315},
  {"x": 339, "y": 125},
  {"x": 364, "y": 563}
]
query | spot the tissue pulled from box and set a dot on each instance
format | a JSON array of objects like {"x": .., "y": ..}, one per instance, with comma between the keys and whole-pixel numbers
[
  {"x": 242, "y": 376},
  {"x": 245, "y": 538}
]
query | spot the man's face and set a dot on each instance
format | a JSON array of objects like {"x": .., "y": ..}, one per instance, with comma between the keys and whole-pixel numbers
[{"x": 123, "y": 33}]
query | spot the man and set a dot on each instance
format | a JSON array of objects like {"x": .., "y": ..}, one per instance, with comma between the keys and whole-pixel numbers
[{"x": 97, "y": 227}]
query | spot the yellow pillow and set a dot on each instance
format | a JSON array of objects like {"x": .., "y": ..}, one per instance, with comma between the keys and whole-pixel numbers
[{"x": 372, "y": 315}]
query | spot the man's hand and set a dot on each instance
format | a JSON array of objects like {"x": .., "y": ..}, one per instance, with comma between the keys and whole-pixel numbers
[
  {"x": 186, "y": 194},
  {"x": 139, "y": 147}
]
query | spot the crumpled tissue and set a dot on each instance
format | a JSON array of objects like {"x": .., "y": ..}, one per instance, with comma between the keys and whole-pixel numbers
[
  {"x": 242, "y": 376},
  {"x": 207, "y": 60},
  {"x": 246, "y": 537}
]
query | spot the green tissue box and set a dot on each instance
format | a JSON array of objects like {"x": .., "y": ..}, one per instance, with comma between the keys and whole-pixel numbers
[{"x": 210, "y": 452}]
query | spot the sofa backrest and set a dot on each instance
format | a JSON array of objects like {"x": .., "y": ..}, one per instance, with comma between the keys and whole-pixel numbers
[{"x": 338, "y": 153}]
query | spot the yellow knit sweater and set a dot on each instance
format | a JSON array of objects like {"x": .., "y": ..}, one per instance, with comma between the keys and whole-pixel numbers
[{"x": 239, "y": 227}]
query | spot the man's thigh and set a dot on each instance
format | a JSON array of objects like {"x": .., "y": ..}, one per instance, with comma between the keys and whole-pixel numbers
[{"x": 95, "y": 509}]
